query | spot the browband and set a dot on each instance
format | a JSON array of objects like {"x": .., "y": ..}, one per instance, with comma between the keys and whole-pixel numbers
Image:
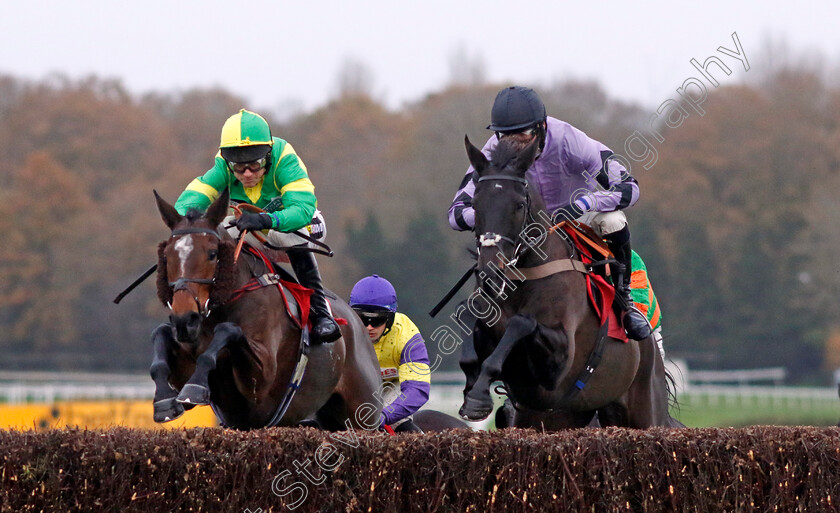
[
  {"x": 504, "y": 177},
  {"x": 186, "y": 231}
]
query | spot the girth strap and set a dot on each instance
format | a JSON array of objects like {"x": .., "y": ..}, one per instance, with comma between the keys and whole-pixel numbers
[
  {"x": 541, "y": 271},
  {"x": 591, "y": 363},
  {"x": 582, "y": 378}
]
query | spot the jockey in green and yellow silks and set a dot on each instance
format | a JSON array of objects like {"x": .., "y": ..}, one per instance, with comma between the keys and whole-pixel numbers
[
  {"x": 285, "y": 175},
  {"x": 265, "y": 171}
]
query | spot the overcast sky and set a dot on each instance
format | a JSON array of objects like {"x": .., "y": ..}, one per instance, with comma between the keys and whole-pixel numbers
[{"x": 278, "y": 53}]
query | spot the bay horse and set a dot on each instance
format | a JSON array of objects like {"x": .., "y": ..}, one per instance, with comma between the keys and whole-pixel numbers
[
  {"x": 237, "y": 348},
  {"x": 539, "y": 335}
]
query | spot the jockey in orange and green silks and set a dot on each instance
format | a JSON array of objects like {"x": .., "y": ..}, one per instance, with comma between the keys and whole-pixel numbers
[
  {"x": 645, "y": 299},
  {"x": 285, "y": 178},
  {"x": 643, "y": 294}
]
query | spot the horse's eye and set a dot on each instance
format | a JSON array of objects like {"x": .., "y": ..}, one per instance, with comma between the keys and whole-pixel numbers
[
  {"x": 520, "y": 206},
  {"x": 212, "y": 254}
]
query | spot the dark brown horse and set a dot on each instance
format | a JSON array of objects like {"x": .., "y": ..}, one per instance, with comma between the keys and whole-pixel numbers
[
  {"x": 434, "y": 420},
  {"x": 539, "y": 335},
  {"x": 241, "y": 352}
]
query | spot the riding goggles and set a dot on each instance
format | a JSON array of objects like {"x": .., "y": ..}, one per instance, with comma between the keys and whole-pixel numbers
[
  {"x": 527, "y": 131},
  {"x": 240, "y": 167},
  {"x": 373, "y": 320}
]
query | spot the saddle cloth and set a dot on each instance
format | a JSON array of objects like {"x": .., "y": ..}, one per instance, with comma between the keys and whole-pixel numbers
[
  {"x": 296, "y": 297},
  {"x": 589, "y": 244},
  {"x": 298, "y": 300},
  {"x": 601, "y": 293}
]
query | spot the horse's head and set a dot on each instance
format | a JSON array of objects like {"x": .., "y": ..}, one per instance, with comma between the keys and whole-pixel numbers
[
  {"x": 189, "y": 263},
  {"x": 502, "y": 201}
]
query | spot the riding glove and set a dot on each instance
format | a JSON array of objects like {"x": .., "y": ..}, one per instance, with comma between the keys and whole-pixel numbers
[
  {"x": 253, "y": 222},
  {"x": 566, "y": 213}
]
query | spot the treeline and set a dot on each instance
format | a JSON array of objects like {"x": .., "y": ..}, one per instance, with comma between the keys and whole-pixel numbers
[{"x": 735, "y": 220}]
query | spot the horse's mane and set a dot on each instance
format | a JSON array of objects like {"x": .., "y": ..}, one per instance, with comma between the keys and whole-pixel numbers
[
  {"x": 225, "y": 276},
  {"x": 193, "y": 214},
  {"x": 507, "y": 153}
]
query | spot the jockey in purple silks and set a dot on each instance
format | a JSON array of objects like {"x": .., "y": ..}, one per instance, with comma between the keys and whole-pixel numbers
[
  {"x": 576, "y": 177},
  {"x": 400, "y": 349}
]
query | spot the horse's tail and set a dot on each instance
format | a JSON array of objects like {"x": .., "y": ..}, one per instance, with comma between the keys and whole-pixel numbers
[{"x": 671, "y": 389}]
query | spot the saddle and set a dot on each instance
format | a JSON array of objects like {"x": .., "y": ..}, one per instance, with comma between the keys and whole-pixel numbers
[
  {"x": 601, "y": 293},
  {"x": 295, "y": 296},
  {"x": 589, "y": 245}
]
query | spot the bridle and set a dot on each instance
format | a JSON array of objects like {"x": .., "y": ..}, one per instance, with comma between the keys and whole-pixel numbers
[
  {"x": 491, "y": 239},
  {"x": 181, "y": 283}
]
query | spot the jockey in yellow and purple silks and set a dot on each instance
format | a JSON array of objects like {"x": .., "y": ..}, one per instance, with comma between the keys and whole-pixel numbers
[
  {"x": 403, "y": 359},
  {"x": 265, "y": 171}
]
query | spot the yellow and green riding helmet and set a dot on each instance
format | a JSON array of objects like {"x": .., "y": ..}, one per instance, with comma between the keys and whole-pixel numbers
[{"x": 246, "y": 137}]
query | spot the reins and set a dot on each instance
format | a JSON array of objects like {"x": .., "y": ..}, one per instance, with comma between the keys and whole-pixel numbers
[
  {"x": 491, "y": 239},
  {"x": 255, "y": 283},
  {"x": 324, "y": 249},
  {"x": 181, "y": 283}
]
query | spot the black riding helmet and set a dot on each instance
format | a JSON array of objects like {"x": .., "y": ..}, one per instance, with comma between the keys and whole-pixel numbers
[
  {"x": 515, "y": 108},
  {"x": 518, "y": 108},
  {"x": 245, "y": 154}
]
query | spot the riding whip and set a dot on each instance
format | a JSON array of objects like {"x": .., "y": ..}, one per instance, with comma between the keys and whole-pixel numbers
[
  {"x": 454, "y": 289},
  {"x": 134, "y": 285}
]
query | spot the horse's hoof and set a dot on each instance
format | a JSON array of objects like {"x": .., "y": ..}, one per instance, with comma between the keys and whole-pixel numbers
[
  {"x": 167, "y": 410},
  {"x": 474, "y": 409},
  {"x": 195, "y": 395}
]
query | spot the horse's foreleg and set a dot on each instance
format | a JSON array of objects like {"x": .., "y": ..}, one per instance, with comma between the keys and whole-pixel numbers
[
  {"x": 166, "y": 408},
  {"x": 469, "y": 362},
  {"x": 547, "y": 356},
  {"x": 197, "y": 390},
  {"x": 477, "y": 403}
]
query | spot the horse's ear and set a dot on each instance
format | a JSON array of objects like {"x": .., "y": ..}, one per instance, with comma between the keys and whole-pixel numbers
[
  {"x": 477, "y": 159},
  {"x": 218, "y": 210},
  {"x": 529, "y": 153},
  {"x": 168, "y": 213}
]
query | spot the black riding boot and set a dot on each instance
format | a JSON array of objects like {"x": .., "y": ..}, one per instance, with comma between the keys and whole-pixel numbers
[
  {"x": 324, "y": 327},
  {"x": 634, "y": 322}
]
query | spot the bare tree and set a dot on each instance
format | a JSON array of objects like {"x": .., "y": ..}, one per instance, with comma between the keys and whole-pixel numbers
[
  {"x": 466, "y": 69},
  {"x": 355, "y": 78}
]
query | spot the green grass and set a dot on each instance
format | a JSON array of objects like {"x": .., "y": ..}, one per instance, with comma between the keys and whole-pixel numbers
[
  {"x": 705, "y": 410},
  {"x": 818, "y": 408}
]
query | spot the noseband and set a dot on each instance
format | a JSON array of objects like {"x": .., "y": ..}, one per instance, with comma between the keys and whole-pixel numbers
[
  {"x": 490, "y": 239},
  {"x": 181, "y": 283}
]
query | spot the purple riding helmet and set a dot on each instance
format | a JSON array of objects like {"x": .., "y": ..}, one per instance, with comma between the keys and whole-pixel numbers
[{"x": 374, "y": 298}]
